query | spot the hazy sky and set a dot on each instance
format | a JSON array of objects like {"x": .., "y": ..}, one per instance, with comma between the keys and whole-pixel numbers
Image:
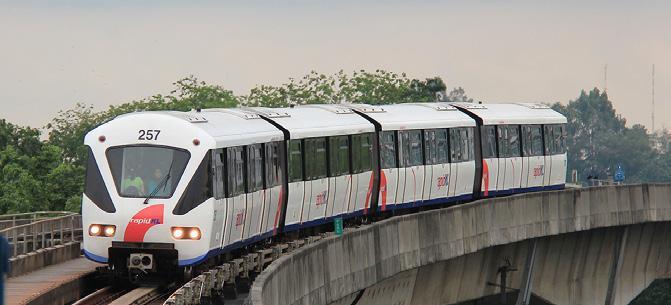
[{"x": 56, "y": 53}]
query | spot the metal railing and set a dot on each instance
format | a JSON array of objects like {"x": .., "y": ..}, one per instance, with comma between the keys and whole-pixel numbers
[
  {"x": 39, "y": 234},
  {"x": 12, "y": 220}
]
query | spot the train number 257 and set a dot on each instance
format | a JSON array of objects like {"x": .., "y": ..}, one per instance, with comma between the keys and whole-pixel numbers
[{"x": 149, "y": 134}]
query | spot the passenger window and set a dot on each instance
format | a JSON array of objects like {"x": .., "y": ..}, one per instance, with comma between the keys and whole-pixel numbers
[
  {"x": 235, "y": 166},
  {"x": 254, "y": 168},
  {"x": 411, "y": 143},
  {"x": 442, "y": 150},
  {"x": 339, "y": 156},
  {"x": 388, "y": 149},
  {"x": 549, "y": 139},
  {"x": 362, "y": 146},
  {"x": 461, "y": 144},
  {"x": 295, "y": 161},
  {"x": 366, "y": 152},
  {"x": 430, "y": 146},
  {"x": 514, "y": 141},
  {"x": 218, "y": 159},
  {"x": 315, "y": 158},
  {"x": 455, "y": 145},
  {"x": 488, "y": 137},
  {"x": 532, "y": 144},
  {"x": 560, "y": 136},
  {"x": 272, "y": 161}
]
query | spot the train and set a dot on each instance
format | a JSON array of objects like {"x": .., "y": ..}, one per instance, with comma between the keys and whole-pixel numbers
[{"x": 168, "y": 191}]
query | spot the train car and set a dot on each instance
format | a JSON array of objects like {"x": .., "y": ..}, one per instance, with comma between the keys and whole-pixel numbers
[
  {"x": 522, "y": 147},
  {"x": 426, "y": 154},
  {"x": 154, "y": 196},
  {"x": 330, "y": 161},
  {"x": 167, "y": 191}
]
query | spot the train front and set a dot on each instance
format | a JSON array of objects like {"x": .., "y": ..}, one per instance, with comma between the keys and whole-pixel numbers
[{"x": 147, "y": 205}]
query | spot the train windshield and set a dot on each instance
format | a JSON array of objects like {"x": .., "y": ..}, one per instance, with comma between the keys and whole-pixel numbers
[{"x": 142, "y": 170}]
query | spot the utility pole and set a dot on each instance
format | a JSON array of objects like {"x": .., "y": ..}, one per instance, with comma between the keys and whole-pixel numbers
[
  {"x": 653, "y": 98},
  {"x": 605, "y": 78}
]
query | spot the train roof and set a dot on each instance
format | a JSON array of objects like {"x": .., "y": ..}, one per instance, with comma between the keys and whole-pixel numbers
[
  {"x": 520, "y": 113},
  {"x": 227, "y": 127},
  {"x": 322, "y": 120},
  {"x": 415, "y": 115}
]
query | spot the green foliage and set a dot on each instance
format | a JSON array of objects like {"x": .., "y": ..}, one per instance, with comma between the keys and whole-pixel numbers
[
  {"x": 656, "y": 294},
  {"x": 376, "y": 88},
  {"x": 599, "y": 140}
]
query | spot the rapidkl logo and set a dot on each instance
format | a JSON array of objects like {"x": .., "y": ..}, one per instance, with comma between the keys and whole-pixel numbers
[
  {"x": 141, "y": 222},
  {"x": 538, "y": 171},
  {"x": 146, "y": 221}
]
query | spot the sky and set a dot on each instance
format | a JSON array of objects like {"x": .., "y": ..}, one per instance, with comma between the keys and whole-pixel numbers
[{"x": 54, "y": 54}]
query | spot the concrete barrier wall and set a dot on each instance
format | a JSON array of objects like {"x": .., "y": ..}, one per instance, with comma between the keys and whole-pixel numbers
[
  {"x": 41, "y": 258},
  {"x": 340, "y": 266}
]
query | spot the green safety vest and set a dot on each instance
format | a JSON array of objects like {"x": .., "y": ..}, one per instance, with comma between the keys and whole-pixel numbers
[{"x": 136, "y": 182}]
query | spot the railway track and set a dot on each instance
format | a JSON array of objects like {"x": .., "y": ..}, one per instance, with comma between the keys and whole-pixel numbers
[{"x": 127, "y": 296}]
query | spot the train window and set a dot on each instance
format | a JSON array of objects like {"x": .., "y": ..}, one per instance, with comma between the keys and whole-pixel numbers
[
  {"x": 362, "y": 151},
  {"x": 139, "y": 170},
  {"x": 411, "y": 148},
  {"x": 559, "y": 132},
  {"x": 272, "y": 160},
  {"x": 295, "y": 156},
  {"x": 339, "y": 156},
  {"x": 199, "y": 188},
  {"x": 430, "y": 148},
  {"x": 443, "y": 151},
  {"x": 462, "y": 144},
  {"x": 254, "y": 167},
  {"x": 94, "y": 186},
  {"x": 532, "y": 140},
  {"x": 435, "y": 146},
  {"x": 509, "y": 141},
  {"x": 388, "y": 149},
  {"x": 315, "y": 158},
  {"x": 488, "y": 136},
  {"x": 218, "y": 159},
  {"x": 548, "y": 133},
  {"x": 235, "y": 168}
]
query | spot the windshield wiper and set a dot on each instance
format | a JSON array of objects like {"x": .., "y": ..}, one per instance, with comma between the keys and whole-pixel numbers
[{"x": 163, "y": 184}]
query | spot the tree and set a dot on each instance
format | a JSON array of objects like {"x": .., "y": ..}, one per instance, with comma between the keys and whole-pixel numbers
[
  {"x": 377, "y": 88},
  {"x": 599, "y": 140}
]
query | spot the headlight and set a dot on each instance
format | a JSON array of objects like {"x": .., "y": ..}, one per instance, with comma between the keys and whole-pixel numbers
[
  {"x": 110, "y": 230},
  {"x": 194, "y": 233},
  {"x": 185, "y": 233},
  {"x": 102, "y": 230},
  {"x": 177, "y": 233},
  {"x": 94, "y": 230}
]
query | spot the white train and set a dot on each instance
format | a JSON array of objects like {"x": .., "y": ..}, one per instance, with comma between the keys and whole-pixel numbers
[{"x": 166, "y": 190}]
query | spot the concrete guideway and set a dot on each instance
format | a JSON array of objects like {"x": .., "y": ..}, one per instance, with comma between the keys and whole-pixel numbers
[{"x": 341, "y": 266}]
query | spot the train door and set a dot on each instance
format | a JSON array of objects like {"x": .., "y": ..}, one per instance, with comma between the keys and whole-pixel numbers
[
  {"x": 462, "y": 155},
  {"x": 412, "y": 160},
  {"x": 219, "y": 190},
  {"x": 255, "y": 191},
  {"x": 296, "y": 185},
  {"x": 510, "y": 155},
  {"x": 273, "y": 192},
  {"x": 549, "y": 150},
  {"x": 438, "y": 168},
  {"x": 389, "y": 173},
  {"x": 532, "y": 145},
  {"x": 317, "y": 182},
  {"x": 556, "y": 153},
  {"x": 340, "y": 176},
  {"x": 490, "y": 162},
  {"x": 362, "y": 175},
  {"x": 236, "y": 203}
]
